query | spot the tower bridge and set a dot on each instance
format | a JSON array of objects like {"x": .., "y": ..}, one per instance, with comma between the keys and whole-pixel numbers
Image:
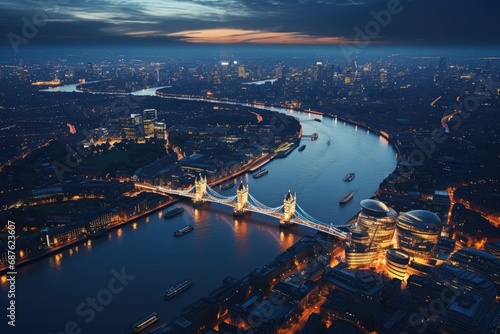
[{"x": 289, "y": 213}]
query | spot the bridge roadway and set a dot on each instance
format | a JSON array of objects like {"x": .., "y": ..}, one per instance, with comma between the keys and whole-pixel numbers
[{"x": 299, "y": 217}]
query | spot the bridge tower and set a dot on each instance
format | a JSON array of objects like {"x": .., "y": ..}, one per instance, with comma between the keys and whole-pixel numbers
[
  {"x": 242, "y": 196},
  {"x": 201, "y": 189},
  {"x": 288, "y": 209}
]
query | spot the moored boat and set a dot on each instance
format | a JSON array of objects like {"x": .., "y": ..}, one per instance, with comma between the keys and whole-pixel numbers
[
  {"x": 173, "y": 212},
  {"x": 144, "y": 322},
  {"x": 260, "y": 173}
]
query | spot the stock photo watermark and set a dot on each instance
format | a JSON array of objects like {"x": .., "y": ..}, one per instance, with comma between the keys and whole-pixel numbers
[
  {"x": 263, "y": 310},
  {"x": 372, "y": 29},
  {"x": 31, "y": 26},
  {"x": 89, "y": 309},
  {"x": 421, "y": 318}
]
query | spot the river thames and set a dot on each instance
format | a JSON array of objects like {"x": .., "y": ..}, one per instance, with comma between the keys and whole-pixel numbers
[{"x": 58, "y": 290}]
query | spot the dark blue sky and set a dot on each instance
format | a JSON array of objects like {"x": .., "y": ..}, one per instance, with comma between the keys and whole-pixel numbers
[{"x": 247, "y": 21}]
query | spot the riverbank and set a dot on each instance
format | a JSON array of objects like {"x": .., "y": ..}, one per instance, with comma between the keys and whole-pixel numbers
[
  {"x": 250, "y": 167},
  {"x": 381, "y": 133},
  {"x": 57, "y": 249}
]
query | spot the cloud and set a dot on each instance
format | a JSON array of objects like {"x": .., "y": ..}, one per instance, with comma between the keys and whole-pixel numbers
[
  {"x": 225, "y": 36},
  {"x": 255, "y": 21}
]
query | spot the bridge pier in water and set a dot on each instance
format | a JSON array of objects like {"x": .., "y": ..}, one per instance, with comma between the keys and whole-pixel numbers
[
  {"x": 201, "y": 189},
  {"x": 242, "y": 200},
  {"x": 289, "y": 204}
]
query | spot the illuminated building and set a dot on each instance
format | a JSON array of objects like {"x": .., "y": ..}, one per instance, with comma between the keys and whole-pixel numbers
[
  {"x": 149, "y": 119},
  {"x": 418, "y": 233},
  {"x": 372, "y": 233},
  {"x": 160, "y": 130},
  {"x": 479, "y": 262},
  {"x": 55, "y": 82},
  {"x": 241, "y": 71},
  {"x": 442, "y": 198},
  {"x": 133, "y": 127},
  {"x": 379, "y": 221},
  {"x": 396, "y": 263},
  {"x": 288, "y": 209},
  {"x": 357, "y": 249}
]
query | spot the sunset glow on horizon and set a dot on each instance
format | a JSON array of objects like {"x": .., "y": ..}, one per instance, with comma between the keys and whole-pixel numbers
[{"x": 225, "y": 36}]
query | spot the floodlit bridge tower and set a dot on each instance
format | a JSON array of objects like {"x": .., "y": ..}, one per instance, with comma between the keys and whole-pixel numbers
[
  {"x": 201, "y": 189},
  {"x": 242, "y": 197},
  {"x": 289, "y": 204}
]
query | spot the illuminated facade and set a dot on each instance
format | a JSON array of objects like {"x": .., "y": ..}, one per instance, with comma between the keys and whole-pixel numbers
[
  {"x": 396, "y": 263},
  {"x": 418, "y": 234},
  {"x": 201, "y": 189},
  {"x": 242, "y": 196},
  {"x": 160, "y": 130},
  {"x": 149, "y": 119},
  {"x": 133, "y": 127},
  {"x": 379, "y": 221},
  {"x": 357, "y": 251},
  {"x": 288, "y": 209},
  {"x": 372, "y": 233}
]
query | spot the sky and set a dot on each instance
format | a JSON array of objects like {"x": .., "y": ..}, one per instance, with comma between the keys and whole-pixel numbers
[{"x": 158, "y": 22}]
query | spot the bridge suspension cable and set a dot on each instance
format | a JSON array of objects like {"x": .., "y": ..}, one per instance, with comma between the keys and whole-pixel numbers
[
  {"x": 255, "y": 203},
  {"x": 300, "y": 216},
  {"x": 215, "y": 195},
  {"x": 305, "y": 216}
]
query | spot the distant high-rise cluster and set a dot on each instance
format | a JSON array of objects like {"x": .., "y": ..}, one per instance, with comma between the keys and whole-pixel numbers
[{"x": 138, "y": 127}]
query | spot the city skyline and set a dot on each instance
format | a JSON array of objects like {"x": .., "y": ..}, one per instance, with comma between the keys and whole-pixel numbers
[{"x": 264, "y": 166}]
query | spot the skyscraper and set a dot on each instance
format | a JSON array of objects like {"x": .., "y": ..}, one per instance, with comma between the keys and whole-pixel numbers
[
  {"x": 149, "y": 118},
  {"x": 241, "y": 71},
  {"x": 133, "y": 127},
  {"x": 160, "y": 130}
]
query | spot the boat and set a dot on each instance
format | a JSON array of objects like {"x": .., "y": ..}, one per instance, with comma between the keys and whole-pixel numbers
[
  {"x": 317, "y": 120},
  {"x": 178, "y": 288},
  {"x": 227, "y": 185},
  {"x": 97, "y": 234},
  {"x": 313, "y": 112},
  {"x": 328, "y": 143},
  {"x": 349, "y": 177},
  {"x": 314, "y": 136},
  {"x": 303, "y": 147},
  {"x": 173, "y": 212},
  {"x": 347, "y": 197},
  {"x": 260, "y": 173},
  {"x": 144, "y": 322},
  {"x": 183, "y": 230}
]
